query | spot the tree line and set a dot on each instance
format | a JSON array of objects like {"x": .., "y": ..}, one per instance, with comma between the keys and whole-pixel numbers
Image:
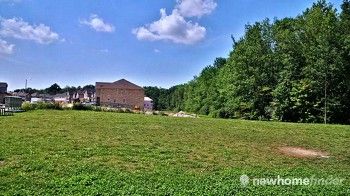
[
  {"x": 56, "y": 89},
  {"x": 291, "y": 69}
]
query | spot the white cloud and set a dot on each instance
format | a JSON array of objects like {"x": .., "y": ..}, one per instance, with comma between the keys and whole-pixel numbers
[
  {"x": 19, "y": 29},
  {"x": 195, "y": 8},
  {"x": 156, "y": 50},
  {"x": 176, "y": 27},
  {"x": 6, "y": 48},
  {"x": 171, "y": 27},
  {"x": 98, "y": 24}
]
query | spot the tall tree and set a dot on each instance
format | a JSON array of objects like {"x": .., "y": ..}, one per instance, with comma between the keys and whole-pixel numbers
[
  {"x": 250, "y": 74},
  {"x": 323, "y": 59},
  {"x": 288, "y": 55},
  {"x": 53, "y": 89}
]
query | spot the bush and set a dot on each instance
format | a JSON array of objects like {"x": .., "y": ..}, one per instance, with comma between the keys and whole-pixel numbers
[
  {"x": 27, "y": 106},
  {"x": 40, "y": 105},
  {"x": 97, "y": 109},
  {"x": 54, "y": 106},
  {"x": 79, "y": 106}
]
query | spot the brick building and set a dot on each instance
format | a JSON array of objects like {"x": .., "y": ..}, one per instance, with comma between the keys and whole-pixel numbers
[
  {"x": 3, "y": 92},
  {"x": 121, "y": 93}
]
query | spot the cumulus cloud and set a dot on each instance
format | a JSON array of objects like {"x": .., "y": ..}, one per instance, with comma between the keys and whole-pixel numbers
[
  {"x": 19, "y": 29},
  {"x": 176, "y": 27},
  {"x": 195, "y": 8},
  {"x": 171, "y": 27},
  {"x": 6, "y": 48},
  {"x": 98, "y": 24}
]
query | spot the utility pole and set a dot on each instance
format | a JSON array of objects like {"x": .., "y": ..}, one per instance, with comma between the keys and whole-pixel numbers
[{"x": 26, "y": 84}]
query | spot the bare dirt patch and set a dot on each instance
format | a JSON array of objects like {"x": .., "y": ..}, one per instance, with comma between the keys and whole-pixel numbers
[{"x": 300, "y": 152}]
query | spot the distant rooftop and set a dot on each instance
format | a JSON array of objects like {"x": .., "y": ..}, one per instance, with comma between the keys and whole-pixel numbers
[
  {"x": 147, "y": 99},
  {"x": 118, "y": 84}
]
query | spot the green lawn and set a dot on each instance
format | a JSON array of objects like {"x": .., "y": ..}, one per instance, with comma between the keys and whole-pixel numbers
[{"x": 91, "y": 153}]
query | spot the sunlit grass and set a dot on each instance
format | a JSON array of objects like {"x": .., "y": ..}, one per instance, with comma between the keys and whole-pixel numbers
[{"x": 71, "y": 152}]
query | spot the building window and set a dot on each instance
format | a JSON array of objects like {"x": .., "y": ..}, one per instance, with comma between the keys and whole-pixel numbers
[{"x": 123, "y": 100}]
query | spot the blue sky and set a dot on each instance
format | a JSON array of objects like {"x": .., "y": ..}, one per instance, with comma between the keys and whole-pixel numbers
[{"x": 149, "y": 42}]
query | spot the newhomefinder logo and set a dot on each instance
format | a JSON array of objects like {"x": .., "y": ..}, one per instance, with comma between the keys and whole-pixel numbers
[
  {"x": 280, "y": 181},
  {"x": 244, "y": 180}
]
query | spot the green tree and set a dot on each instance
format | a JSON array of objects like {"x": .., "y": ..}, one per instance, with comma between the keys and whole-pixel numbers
[
  {"x": 323, "y": 59},
  {"x": 250, "y": 74},
  {"x": 53, "y": 89}
]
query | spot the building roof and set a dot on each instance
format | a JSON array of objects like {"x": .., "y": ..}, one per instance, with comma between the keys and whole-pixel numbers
[
  {"x": 147, "y": 99},
  {"x": 61, "y": 95},
  {"x": 122, "y": 84}
]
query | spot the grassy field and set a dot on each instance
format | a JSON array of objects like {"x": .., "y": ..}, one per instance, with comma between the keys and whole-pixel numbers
[{"x": 91, "y": 153}]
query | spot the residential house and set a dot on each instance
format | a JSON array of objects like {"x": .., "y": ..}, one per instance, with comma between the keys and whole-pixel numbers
[
  {"x": 83, "y": 96},
  {"x": 148, "y": 104},
  {"x": 61, "y": 98},
  {"x": 78, "y": 96},
  {"x": 25, "y": 96},
  {"x": 36, "y": 100},
  {"x": 121, "y": 93},
  {"x": 89, "y": 95},
  {"x": 37, "y": 97}
]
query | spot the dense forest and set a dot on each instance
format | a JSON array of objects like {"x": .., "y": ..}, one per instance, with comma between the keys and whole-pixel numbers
[{"x": 291, "y": 69}]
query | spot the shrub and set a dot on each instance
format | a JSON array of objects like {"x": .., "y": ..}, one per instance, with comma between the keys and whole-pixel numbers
[
  {"x": 27, "y": 106},
  {"x": 97, "y": 109},
  {"x": 67, "y": 106},
  {"x": 53, "y": 106},
  {"x": 79, "y": 106},
  {"x": 40, "y": 105}
]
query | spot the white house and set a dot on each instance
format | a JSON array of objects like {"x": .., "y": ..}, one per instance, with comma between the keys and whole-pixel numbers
[
  {"x": 84, "y": 95},
  {"x": 61, "y": 98},
  {"x": 35, "y": 99},
  {"x": 148, "y": 103}
]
